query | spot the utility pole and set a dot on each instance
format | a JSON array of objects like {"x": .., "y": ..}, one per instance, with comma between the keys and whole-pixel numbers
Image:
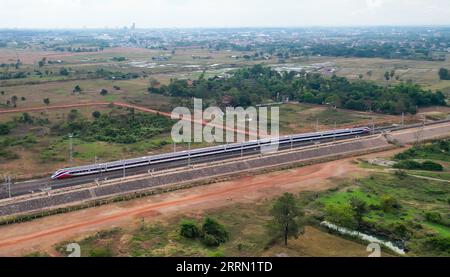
[
  {"x": 8, "y": 185},
  {"x": 174, "y": 147},
  {"x": 373, "y": 125},
  {"x": 317, "y": 125},
  {"x": 334, "y": 131},
  {"x": 189, "y": 154},
  {"x": 124, "y": 175},
  {"x": 403, "y": 119},
  {"x": 71, "y": 147},
  {"x": 420, "y": 131}
]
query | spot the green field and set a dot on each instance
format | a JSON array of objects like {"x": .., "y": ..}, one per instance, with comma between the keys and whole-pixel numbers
[{"x": 406, "y": 223}]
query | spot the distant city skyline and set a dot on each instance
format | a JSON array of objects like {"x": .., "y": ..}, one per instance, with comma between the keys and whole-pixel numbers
[{"x": 75, "y": 14}]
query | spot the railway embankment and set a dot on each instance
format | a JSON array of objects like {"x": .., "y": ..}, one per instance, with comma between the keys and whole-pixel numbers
[{"x": 90, "y": 195}]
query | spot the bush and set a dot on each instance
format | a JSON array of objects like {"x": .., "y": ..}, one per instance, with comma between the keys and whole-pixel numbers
[
  {"x": 64, "y": 72},
  {"x": 96, "y": 114},
  {"x": 189, "y": 230},
  {"x": 408, "y": 164},
  {"x": 400, "y": 229},
  {"x": 434, "y": 217},
  {"x": 214, "y": 233},
  {"x": 100, "y": 252},
  {"x": 389, "y": 204},
  {"x": 441, "y": 244},
  {"x": 4, "y": 129},
  {"x": 8, "y": 155},
  {"x": 341, "y": 215},
  {"x": 210, "y": 240},
  {"x": 125, "y": 129},
  {"x": 401, "y": 174},
  {"x": 432, "y": 166},
  {"x": 413, "y": 165}
]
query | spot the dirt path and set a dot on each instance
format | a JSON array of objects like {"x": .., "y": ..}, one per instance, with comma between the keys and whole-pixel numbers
[{"x": 42, "y": 234}]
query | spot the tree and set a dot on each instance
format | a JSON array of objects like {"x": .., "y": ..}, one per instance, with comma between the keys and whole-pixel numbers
[
  {"x": 96, "y": 114},
  {"x": 77, "y": 88},
  {"x": 46, "y": 101},
  {"x": 154, "y": 83},
  {"x": 18, "y": 64},
  {"x": 103, "y": 92},
  {"x": 214, "y": 233},
  {"x": 359, "y": 208},
  {"x": 341, "y": 215},
  {"x": 64, "y": 72},
  {"x": 444, "y": 74},
  {"x": 73, "y": 115},
  {"x": 286, "y": 217},
  {"x": 189, "y": 229},
  {"x": 14, "y": 101},
  {"x": 392, "y": 74},
  {"x": 389, "y": 204},
  {"x": 4, "y": 129},
  {"x": 26, "y": 118},
  {"x": 387, "y": 76}
]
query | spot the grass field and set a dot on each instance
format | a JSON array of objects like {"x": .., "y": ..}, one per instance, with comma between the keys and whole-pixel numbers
[
  {"x": 298, "y": 118},
  {"x": 61, "y": 93}
]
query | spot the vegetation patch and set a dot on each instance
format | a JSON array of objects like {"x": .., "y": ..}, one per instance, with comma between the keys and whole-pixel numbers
[
  {"x": 438, "y": 150},
  {"x": 118, "y": 128},
  {"x": 255, "y": 85},
  {"x": 404, "y": 210}
]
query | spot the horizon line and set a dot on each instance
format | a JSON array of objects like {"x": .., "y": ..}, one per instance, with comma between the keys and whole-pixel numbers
[{"x": 232, "y": 27}]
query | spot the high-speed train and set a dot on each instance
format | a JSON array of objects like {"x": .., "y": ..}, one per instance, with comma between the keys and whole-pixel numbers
[{"x": 204, "y": 152}]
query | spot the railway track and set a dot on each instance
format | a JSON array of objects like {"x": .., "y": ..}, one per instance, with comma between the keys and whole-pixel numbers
[{"x": 47, "y": 184}]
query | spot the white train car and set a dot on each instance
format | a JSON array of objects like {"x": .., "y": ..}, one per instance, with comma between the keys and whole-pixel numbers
[{"x": 203, "y": 152}]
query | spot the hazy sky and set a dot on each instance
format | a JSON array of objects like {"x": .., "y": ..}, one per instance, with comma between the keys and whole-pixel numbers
[{"x": 220, "y": 13}]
